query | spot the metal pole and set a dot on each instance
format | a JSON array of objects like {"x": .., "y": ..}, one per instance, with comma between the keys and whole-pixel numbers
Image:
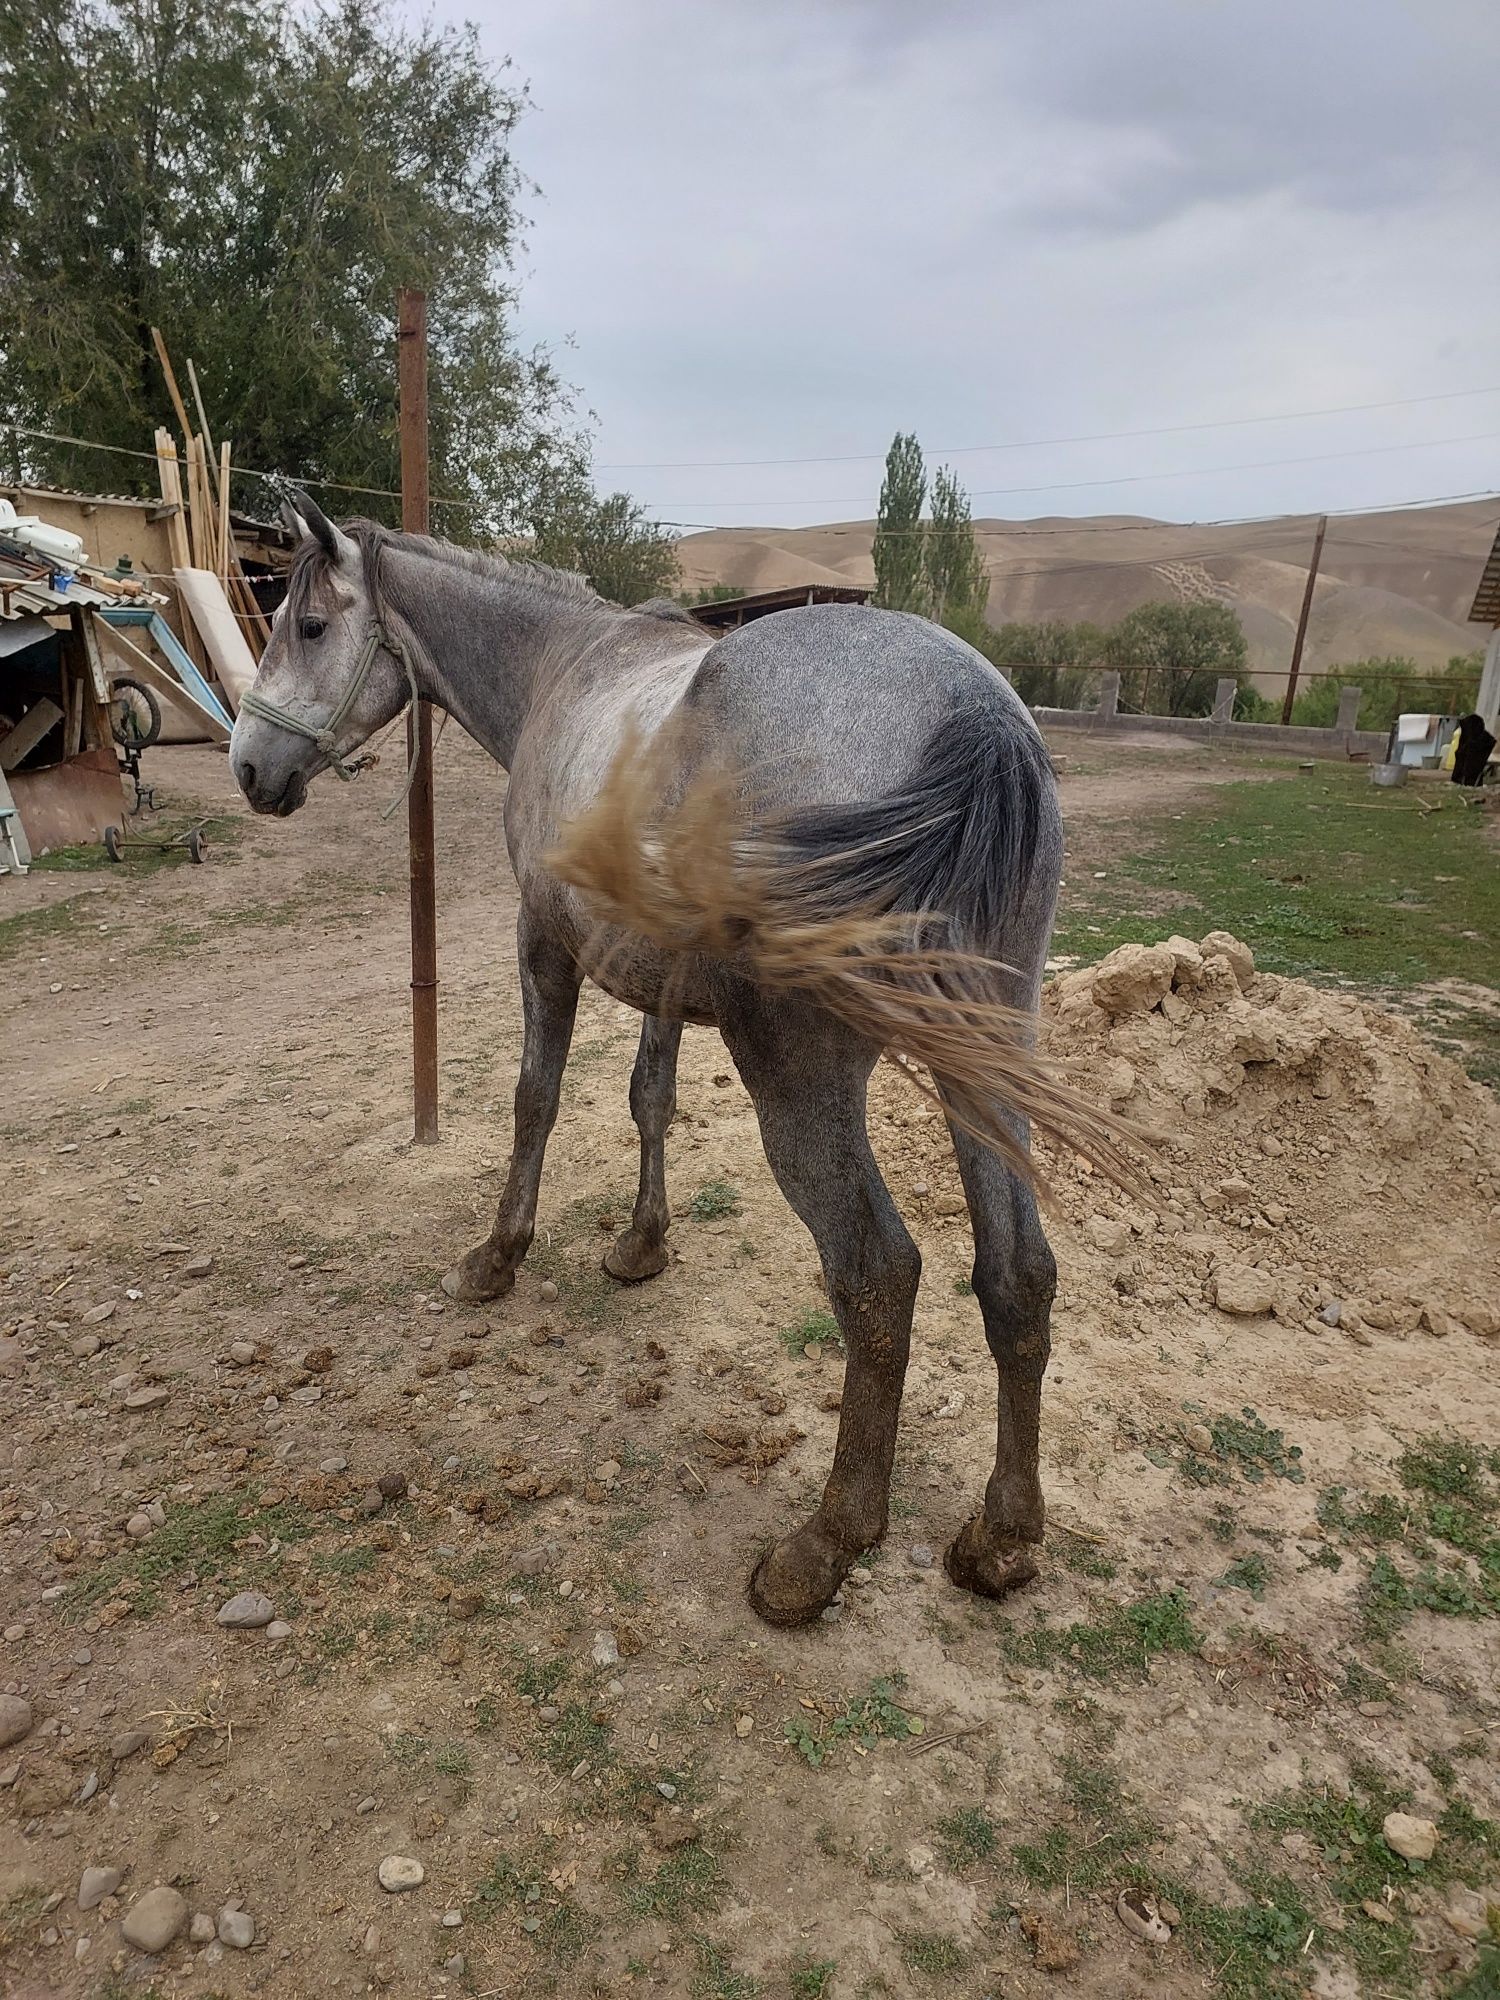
[
  {"x": 411, "y": 367},
  {"x": 1307, "y": 598}
]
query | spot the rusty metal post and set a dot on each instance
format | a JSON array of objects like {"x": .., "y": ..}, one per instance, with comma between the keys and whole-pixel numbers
[
  {"x": 1307, "y": 598},
  {"x": 411, "y": 369}
]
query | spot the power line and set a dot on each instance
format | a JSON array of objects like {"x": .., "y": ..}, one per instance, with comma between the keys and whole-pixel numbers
[
  {"x": 1105, "y": 528},
  {"x": 1034, "y": 444},
  {"x": 282, "y": 480},
  {"x": 1141, "y": 478}
]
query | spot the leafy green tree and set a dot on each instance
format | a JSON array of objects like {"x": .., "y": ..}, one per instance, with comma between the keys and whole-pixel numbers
[
  {"x": 956, "y": 583},
  {"x": 256, "y": 177},
  {"x": 1171, "y": 656},
  {"x": 1053, "y": 664},
  {"x": 626, "y": 557},
  {"x": 1393, "y": 685},
  {"x": 899, "y": 582}
]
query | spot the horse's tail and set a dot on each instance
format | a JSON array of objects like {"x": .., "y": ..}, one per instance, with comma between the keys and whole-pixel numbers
[{"x": 881, "y": 910}]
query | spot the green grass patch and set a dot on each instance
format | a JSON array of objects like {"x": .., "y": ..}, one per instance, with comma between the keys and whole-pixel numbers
[
  {"x": 688, "y": 1883},
  {"x": 1121, "y": 1639},
  {"x": 715, "y": 1977},
  {"x": 204, "y": 1538},
  {"x": 560, "y": 1929},
  {"x": 932, "y": 1952},
  {"x": 1100, "y": 1838}
]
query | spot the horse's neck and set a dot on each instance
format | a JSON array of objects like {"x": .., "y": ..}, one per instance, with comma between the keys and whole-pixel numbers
[{"x": 489, "y": 645}]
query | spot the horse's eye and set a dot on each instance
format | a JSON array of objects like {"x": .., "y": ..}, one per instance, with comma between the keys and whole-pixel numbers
[{"x": 314, "y": 628}]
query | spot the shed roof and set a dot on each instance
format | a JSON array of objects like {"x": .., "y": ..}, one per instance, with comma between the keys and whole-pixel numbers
[
  {"x": 1486, "y": 606},
  {"x": 729, "y": 611}
]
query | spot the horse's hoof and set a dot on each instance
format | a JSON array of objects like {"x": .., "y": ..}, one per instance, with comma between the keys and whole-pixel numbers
[
  {"x": 477, "y": 1279},
  {"x": 989, "y": 1564},
  {"x": 798, "y": 1578},
  {"x": 631, "y": 1259}
]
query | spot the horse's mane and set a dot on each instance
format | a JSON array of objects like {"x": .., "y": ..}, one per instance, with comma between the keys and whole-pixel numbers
[{"x": 312, "y": 561}]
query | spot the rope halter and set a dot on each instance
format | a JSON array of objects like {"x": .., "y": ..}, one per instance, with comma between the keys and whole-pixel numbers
[{"x": 325, "y": 734}]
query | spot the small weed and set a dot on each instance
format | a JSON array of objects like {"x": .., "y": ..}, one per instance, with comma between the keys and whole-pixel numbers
[
  {"x": 1122, "y": 1640},
  {"x": 863, "y": 1720},
  {"x": 715, "y": 1201},
  {"x": 963, "y": 1287},
  {"x": 809, "y": 1980},
  {"x": 1250, "y": 1572},
  {"x": 560, "y": 1929},
  {"x": 407, "y": 1748},
  {"x": 578, "y": 1736},
  {"x": 1246, "y": 1444},
  {"x": 967, "y": 1837},
  {"x": 1078, "y": 1554},
  {"x": 1448, "y": 1469},
  {"x": 814, "y": 1329},
  {"x": 453, "y": 1761}
]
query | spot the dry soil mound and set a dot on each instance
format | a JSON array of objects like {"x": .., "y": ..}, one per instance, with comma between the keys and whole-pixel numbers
[{"x": 1317, "y": 1161}]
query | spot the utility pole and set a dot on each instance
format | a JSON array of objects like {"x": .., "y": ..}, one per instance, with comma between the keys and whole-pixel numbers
[
  {"x": 1307, "y": 598},
  {"x": 411, "y": 372}
]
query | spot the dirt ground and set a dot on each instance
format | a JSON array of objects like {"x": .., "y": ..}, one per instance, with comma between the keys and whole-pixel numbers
[{"x": 528, "y": 1664}]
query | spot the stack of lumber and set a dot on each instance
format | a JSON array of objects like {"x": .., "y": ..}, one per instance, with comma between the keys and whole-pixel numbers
[{"x": 213, "y": 586}]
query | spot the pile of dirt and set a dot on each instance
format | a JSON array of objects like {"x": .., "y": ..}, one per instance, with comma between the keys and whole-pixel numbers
[{"x": 1293, "y": 1128}]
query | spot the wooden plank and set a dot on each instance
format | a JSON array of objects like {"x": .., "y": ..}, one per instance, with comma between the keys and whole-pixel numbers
[
  {"x": 205, "y": 433},
  {"x": 223, "y": 563},
  {"x": 28, "y": 732},
  {"x": 172, "y": 389},
  {"x": 167, "y": 470}
]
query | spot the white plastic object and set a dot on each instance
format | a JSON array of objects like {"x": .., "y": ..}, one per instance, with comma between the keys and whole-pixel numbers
[{"x": 55, "y": 544}]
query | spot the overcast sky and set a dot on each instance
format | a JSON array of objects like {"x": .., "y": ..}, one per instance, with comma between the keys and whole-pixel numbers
[{"x": 782, "y": 229}]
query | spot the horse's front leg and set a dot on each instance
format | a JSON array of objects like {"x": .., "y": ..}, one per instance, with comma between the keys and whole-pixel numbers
[
  {"x": 806, "y": 1075},
  {"x": 641, "y": 1250},
  {"x": 549, "y": 998}
]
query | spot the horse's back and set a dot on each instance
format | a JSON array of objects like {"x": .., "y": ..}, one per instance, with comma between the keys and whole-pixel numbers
[{"x": 834, "y": 702}]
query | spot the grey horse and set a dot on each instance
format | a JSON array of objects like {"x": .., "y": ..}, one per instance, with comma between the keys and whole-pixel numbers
[{"x": 895, "y": 771}]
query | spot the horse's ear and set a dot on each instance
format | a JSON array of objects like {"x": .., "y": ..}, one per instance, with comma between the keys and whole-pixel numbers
[
  {"x": 331, "y": 539},
  {"x": 291, "y": 520}
]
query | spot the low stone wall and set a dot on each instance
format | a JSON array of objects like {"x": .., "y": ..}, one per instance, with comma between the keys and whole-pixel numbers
[{"x": 1341, "y": 742}]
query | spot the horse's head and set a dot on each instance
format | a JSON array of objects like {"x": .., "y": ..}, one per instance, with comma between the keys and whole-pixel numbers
[{"x": 328, "y": 678}]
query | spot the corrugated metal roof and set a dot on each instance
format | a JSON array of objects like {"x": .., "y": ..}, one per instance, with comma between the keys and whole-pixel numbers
[
  {"x": 29, "y": 588},
  {"x": 1486, "y": 607}
]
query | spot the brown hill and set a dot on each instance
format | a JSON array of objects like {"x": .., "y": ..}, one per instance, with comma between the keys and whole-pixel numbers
[{"x": 1391, "y": 583}]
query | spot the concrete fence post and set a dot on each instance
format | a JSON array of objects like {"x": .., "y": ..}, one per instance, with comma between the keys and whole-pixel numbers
[
  {"x": 1224, "y": 694},
  {"x": 1347, "y": 719},
  {"x": 1109, "y": 697}
]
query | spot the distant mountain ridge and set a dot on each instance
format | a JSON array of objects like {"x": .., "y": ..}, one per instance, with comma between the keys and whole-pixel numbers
[{"x": 1398, "y": 582}]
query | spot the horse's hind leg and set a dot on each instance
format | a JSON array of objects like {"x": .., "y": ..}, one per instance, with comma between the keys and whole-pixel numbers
[
  {"x": 806, "y": 1075},
  {"x": 549, "y": 1000},
  {"x": 1015, "y": 1279},
  {"x": 641, "y": 1251}
]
